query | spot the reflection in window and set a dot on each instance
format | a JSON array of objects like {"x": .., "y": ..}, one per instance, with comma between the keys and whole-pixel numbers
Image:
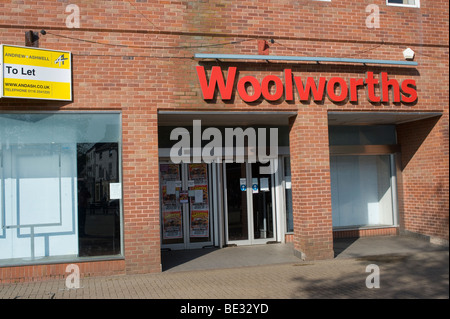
[
  {"x": 98, "y": 213},
  {"x": 412, "y": 3}
]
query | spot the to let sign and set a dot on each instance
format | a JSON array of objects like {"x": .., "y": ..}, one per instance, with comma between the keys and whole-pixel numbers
[{"x": 31, "y": 73}]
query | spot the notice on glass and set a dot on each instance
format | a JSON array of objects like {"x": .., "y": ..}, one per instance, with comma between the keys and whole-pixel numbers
[
  {"x": 184, "y": 199},
  {"x": 288, "y": 182},
  {"x": 243, "y": 184},
  {"x": 115, "y": 191},
  {"x": 264, "y": 184},
  {"x": 170, "y": 190},
  {"x": 255, "y": 187},
  {"x": 198, "y": 196}
]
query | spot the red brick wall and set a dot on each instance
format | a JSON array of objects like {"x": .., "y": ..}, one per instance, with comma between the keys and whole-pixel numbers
[
  {"x": 311, "y": 191},
  {"x": 159, "y": 73},
  {"x": 424, "y": 190},
  {"x": 58, "y": 271},
  {"x": 356, "y": 233}
]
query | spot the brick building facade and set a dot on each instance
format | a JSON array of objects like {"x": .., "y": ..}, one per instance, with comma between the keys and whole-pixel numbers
[{"x": 135, "y": 61}]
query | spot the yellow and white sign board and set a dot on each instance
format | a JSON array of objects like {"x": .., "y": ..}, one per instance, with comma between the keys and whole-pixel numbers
[{"x": 31, "y": 73}]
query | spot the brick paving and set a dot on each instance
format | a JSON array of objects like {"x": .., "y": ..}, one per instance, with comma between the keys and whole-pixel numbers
[{"x": 406, "y": 275}]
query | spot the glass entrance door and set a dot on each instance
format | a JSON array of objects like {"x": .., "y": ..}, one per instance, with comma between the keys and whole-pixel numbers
[
  {"x": 262, "y": 206},
  {"x": 236, "y": 202},
  {"x": 249, "y": 209},
  {"x": 186, "y": 217}
]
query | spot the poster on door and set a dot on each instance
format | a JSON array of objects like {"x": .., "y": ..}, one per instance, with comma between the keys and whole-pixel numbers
[
  {"x": 200, "y": 195},
  {"x": 200, "y": 223},
  {"x": 197, "y": 173},
  {"x": 170, "y": 204},
  {"x": 172, "y": 225},
  {"x": 198, "y": 191}
]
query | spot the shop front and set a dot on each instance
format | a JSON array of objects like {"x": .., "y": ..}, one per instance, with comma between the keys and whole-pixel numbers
[
  {"x": 207, "y": 128},
  {"x": 224, "y": 191},
  {"x": 214, "y": 200}
]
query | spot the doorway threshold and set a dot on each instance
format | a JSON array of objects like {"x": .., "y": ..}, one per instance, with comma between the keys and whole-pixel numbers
[{"x": 227, "y": 257}]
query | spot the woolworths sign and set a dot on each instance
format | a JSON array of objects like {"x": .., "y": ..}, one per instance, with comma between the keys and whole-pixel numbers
[
  {"x": 30, "y": 73},
  {"x": 307, "y": 87}
]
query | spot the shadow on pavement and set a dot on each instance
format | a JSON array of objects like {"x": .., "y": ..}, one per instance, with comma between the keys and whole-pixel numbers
[
  {"x": 241, "y": 256},
  {"x": 174, "y": 258}
]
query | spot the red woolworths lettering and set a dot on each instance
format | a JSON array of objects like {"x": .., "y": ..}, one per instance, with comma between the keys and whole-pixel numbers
[
  {"x": 336, "y": 89},
  {"x": 216, "y": 78},
  {"x": 409, "y": 91},
  {"x": 310, "y": 87}
]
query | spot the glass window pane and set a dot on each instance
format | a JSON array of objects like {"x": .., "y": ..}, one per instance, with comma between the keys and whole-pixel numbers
[
  {"x": 98, "y": 212},
  {"x": 407, "y": 2},
  {"x": 262, "y": 204},
  {"x": 361, "y": 192},
  {"x": 49, "y": 163},
  {"x": 362, "y": 135},
  {"x": 236, "y": 202},
  {"x": 288, "y": 194}
]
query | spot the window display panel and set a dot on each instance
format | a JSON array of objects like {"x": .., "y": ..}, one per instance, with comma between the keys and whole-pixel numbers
[
  {"x": 361, "y": 192},
  {"x": 46, "y": 180},
  {"x": 39, "y": 192}
]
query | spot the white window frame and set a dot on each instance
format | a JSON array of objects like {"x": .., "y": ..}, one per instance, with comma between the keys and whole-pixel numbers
[{"x": 415, "y": 5}]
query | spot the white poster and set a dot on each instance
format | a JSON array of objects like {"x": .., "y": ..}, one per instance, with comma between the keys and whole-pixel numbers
[
  {"x": 243, "y": 184},
  {"x": 170, "y": 190},
  {"x": 288, "y": 182},
  {"x": 255, "y": 187},
  {"x": 115, "y": 191},
  {"x": 264, "y": 184},
  {"x": 198, "y": 196}
]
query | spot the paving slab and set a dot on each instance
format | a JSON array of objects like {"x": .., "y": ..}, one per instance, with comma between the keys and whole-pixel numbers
[
  {"x": 228, "y": 257},
  {"x": 382, "y": 245},
  {"x": 406, "y": 269}
]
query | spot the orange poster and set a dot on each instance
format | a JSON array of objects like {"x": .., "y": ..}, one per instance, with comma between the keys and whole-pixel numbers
[
  {"x": 172, "y": 226},
  {"x": 200, "y": 223}
]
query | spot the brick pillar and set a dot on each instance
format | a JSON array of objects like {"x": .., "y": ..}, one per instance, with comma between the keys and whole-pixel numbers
[
  {"x": 424, "y": 188},
  {"x": 141, "y": 192},
  {"x": 313, "y": 235}
]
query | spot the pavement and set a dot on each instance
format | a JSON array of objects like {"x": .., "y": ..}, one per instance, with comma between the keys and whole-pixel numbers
[{"x": 404, "y": 267}]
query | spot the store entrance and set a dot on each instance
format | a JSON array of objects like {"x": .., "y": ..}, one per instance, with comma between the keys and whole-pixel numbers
[
  {"x": 204, "y": 205},
  {"x": 249, "y": 213},
  {"x": 186, "y": 219}
]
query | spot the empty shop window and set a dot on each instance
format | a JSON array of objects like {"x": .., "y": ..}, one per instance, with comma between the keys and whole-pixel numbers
[
  {"x": 58, "y": 200},
  {"x": 363, "y": 187}
]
